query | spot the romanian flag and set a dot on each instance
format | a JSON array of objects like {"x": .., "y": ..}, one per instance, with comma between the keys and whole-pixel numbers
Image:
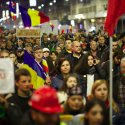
[
  {"x": 32, "y": 17},
  {"x": 12, "y": 8},
  {"x": 37, "y": 70}
]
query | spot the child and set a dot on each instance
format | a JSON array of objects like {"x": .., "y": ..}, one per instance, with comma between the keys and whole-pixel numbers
[{"x": 69, "y": 82}]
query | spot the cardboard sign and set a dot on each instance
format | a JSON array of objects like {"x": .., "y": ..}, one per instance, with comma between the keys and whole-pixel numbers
[
  {"x": 46, "y": 28},
  {"x": 6, "y": 76},
  {"x": 90, "y": 82},
  {"x": 28, "y": 32}
]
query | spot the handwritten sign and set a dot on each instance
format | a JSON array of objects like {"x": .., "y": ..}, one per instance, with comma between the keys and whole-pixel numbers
[
  {"x": 6, "y": 76},
  {"x": 28, "y": 32}
]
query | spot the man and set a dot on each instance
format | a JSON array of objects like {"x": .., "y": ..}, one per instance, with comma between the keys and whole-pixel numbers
[
  {"x": 28, "y": 47},
  {"x": 13, "y": 57},
  {"x": 68, "y": 48},
  {"x": 23, "y": 93},
  {"x": 119, "y": 86},
  {"x": 45, "y": 43},
  {"x": 45, "y": 108},
  {"x": 4, "y": 54},
  {"x": 20, "y": 54},
  {"x": 2, "y": 44},
  {"x": 102, "y": 44},
  {"x": 53, "y": 42},
  {"x": 76, "y": 54},
  {"x": 93, "y": 50}
]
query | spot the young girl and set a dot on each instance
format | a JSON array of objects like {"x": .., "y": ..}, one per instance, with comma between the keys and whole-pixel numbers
[
  {"x": 74, "y": 104},
  {"x": 70, "y": 81}
]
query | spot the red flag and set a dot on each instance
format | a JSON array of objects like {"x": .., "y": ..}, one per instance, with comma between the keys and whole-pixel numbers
[{"x": 116, "y": 8}]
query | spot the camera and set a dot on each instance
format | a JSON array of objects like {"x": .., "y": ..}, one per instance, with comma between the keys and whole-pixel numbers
[{"x": 94, "y": 61}]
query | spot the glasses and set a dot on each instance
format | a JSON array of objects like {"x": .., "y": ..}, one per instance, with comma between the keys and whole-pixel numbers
[{"x": 38, "y": 52}]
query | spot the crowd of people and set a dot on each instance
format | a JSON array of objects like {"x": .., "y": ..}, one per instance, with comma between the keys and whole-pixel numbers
[{"x": 74, "y": 61}]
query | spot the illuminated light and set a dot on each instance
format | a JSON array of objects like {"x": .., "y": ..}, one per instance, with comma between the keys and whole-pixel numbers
[
  {"x": 92, "y": 20},
  {"x": 3, "y": 13},
  {"x": 32, "y": 2},
  {"x": 50, "y": 4},
  {"x": 66, "y": 0},
  {"x": 17, "y": 10},
  {"x": 7, "y": 13},
  {"x": 93, "y": 28},
  {"x": 54, "y": 1},
  {"x": 79, "y": 16},
  {"x": 7, "y": 3},
  {"x": 39, "y": 7},
  {"x": 33, "y": 9},
  {"x": 14, "y": 26},
  {"x": 72, "y": 22},
  {"x": 42, "y": 5},
  {"x": 81, "y": 26}
]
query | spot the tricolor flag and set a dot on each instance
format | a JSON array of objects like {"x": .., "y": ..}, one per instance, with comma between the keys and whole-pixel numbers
[
  {"x": 116, "y": 8},
  {"x": 12, "y": 8},
  {"x": 37, "y": 70},
  {"x": 32, "y": 17}
]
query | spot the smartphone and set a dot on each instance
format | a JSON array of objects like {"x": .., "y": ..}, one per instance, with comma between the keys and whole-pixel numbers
[{"x": 94, "y": 61}]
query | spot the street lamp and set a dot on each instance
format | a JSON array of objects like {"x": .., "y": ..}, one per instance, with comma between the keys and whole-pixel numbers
[
  {"x": 50, "y": 4},
  {"x": 54, "y": 1},
  {"x": 42, "y": 5}
]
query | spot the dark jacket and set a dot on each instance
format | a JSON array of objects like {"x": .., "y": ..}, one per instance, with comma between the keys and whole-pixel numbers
[
  {"x": 27, "y": 120},
  {"x": 57, "y": 81},
  {"x": 21, "y": 102},
  {"x": 74, "y": 61}
]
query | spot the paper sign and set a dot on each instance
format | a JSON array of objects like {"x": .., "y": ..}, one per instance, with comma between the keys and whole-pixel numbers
[
  {"x": 6, "y": 76},
  {"x": 90, "y": 82},
  {"x": 28, "y": 32},
  {"x": 46, "y": 28}
]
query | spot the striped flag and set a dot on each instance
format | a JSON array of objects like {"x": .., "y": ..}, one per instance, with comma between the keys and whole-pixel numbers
[
  {"x": 37, "y": 70},
  {"x": 12, "y": 8},
  {"x": 32, "y": 17}
]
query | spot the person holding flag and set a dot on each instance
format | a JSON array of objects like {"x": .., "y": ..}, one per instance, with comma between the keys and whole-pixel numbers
[{"x": 37, "y": 67}]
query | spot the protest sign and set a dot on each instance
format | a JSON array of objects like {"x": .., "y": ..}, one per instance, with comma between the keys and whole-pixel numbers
[
  {"x": 28, "y": 32},
  {"x": 6, "y": 76}
]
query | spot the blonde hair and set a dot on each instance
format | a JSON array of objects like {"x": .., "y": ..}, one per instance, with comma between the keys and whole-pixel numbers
[{"x": 96, "y": 84}]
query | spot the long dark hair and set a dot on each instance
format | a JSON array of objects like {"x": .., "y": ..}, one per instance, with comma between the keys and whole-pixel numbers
[
  {"x": 59, "y": 63},
  {"x": 82, "y": 67},
  {"x": 90, "y": 104},
  {"x": 64, "y": 87}
]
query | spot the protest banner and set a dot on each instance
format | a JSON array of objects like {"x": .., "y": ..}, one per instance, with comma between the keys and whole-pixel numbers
[
  {"x": 6, "y": 76},
  {"x": 28, "y": 32}
]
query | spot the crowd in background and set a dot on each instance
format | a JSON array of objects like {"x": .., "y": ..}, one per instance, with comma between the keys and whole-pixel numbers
[{"x": 74, "y": 60}]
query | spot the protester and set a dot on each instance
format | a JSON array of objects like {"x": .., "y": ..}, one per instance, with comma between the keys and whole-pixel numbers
[
  {"x": 70, "y": 81},
  {"x": 23, "y": 90},
  {"x": 74, "y": 104},
  {"x": 63, "y": 69},
  {"x": 94, "y": 112},
  {"x": 45, "y": 108}
]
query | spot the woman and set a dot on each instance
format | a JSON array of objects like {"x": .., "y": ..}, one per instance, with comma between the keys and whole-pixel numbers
[
  {"x": 101, "y": 92},
  {"x": 89, "y": 65},
  {"x": 94, "y": 113},
  {"x": 63, "y": 69},
  {"x": 74, "y": 104},
  {"x": 70, "y": 81}
]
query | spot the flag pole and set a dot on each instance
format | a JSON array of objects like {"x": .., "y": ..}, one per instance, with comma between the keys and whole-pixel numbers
[{"x": 111, "y": 81}]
